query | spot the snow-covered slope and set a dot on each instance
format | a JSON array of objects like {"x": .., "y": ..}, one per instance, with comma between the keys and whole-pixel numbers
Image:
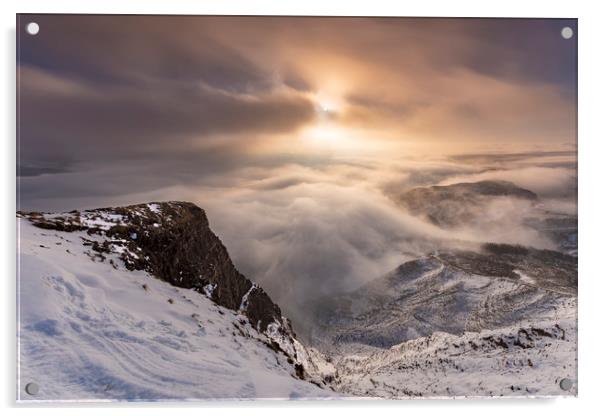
[
  {"x": 452, "y": 292},
  {"x": 526, "y": 359},
  {"x": 493, "y": 323},
  {"x": 89, "y": 328}
]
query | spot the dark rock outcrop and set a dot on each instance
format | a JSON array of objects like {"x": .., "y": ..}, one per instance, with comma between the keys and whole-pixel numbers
[{"x": 173, "y": 242}]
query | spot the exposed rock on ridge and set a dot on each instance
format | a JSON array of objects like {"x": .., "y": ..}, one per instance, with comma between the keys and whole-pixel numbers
[{"x": 173, "y": 242}]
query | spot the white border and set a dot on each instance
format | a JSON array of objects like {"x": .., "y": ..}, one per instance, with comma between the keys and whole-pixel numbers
[{"x": 590, "y": 179}]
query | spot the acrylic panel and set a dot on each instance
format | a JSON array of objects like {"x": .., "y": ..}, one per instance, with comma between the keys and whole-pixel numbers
[{"x": 248, "y": 207}]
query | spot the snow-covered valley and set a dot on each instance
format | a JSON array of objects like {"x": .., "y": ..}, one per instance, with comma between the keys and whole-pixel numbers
[{"x": 467, "y": 335}]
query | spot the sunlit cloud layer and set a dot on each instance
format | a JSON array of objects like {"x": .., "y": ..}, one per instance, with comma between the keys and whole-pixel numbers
[{"x": 106, "y": 87}]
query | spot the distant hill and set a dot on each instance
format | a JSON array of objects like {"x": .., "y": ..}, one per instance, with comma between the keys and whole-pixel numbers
[{"x": 455, "y": 205}]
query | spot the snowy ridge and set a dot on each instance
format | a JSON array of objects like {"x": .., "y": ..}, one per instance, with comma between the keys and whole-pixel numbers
[
  {"x": 244, "y": 304},
  {"x": 432, "y": 328},
  {"x": 524, "y": 359},
  {"x": 90, "y": 329},
  {"x": 171, "y": 241}
]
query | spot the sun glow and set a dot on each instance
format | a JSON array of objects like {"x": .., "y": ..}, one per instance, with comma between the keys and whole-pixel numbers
[
  {"x": 327, "y": 132},
  {"x": 328, "y": 105},
  {"x": 326, "y": 128}
]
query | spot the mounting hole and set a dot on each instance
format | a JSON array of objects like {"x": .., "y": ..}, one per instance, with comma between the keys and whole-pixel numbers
[
  {"x": 566, "y": 384},
  {"x": 32, "y": 389},
  {"x": 32, "y": 28},
  {"x": 566, "y": 32}
]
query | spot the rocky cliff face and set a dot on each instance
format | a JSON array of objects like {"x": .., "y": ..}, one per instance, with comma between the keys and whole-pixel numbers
[{"x": 173, "y": 242}]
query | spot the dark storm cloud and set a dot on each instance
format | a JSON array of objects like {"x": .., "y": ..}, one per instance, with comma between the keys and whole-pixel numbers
[
  {"x": 127, "y": 49},
  {"x": 530, "y": 49},
  {"x": 60, "y": 117},
  {"x": 98, "y": 87},
  {"x": 514, "y": 49},
  {"x": 25, "y": 170}
]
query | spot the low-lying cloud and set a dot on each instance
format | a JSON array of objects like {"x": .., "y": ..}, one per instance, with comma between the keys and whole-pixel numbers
[
  {"x": 319, "y": 229},
  {"x": 544, "y": 181}
]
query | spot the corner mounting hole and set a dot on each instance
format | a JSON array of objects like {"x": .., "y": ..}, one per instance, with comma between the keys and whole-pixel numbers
[
  {"x": 566, "y": 384},
  {"x": 566, "y": 32},
  {"x": 32, "y": 389},
  {"x": 32, "y": 28}
]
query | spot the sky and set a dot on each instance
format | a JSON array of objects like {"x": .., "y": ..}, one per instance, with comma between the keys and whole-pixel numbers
[{"x": 294, "y": 133}]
